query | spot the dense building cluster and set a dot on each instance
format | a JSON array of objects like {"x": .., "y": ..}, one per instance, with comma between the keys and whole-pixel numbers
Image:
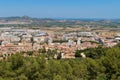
[{"x": 18, "y": 40}]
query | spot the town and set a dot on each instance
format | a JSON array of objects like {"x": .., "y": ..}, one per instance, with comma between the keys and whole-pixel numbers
[
  {"x": 23, "y": 40},
  {"x": 59, "y": 39}
]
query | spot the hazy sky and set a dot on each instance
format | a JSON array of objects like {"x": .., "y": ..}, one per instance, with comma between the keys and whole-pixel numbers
[{"x": 61, "y": 8}]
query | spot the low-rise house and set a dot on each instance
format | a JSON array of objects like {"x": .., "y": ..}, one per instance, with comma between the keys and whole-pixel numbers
[
  {"x": 117, "y": 37},
  {"x": 40, "y": 37},
  {"x": 26, "y": 37},
  {"x": 15, "y": 39}
]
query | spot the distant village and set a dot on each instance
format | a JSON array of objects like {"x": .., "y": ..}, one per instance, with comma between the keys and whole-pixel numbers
[{"x": 19, "y": 40}]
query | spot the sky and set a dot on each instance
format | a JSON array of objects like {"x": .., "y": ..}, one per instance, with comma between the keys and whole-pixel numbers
[{"x": 61, "y": 8}]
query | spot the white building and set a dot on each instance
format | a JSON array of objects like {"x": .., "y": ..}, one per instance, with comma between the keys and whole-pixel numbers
[{"x": 117, "y": 37}]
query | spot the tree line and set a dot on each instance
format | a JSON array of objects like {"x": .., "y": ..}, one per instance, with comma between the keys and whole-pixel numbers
[{"x": 100, "y": 64}]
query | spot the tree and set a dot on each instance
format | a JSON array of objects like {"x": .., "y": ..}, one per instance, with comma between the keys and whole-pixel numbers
[
  {"x": 57, "y": 77},
  {"x": 30, "y": 53},
  {"x": 17, "y": 61}
]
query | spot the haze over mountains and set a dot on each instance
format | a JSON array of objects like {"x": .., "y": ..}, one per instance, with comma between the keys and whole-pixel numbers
[{"x": 26, "y": 21}]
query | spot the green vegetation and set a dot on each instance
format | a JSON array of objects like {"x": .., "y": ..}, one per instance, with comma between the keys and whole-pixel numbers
[
  {"x": 60, "y": 41},
  {"x": 100, "y": 64}
]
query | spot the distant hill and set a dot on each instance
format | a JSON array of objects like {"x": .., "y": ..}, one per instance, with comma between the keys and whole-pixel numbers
[
  {"x": 22, "y": 20},
  {"x": 26, "y": 21}
]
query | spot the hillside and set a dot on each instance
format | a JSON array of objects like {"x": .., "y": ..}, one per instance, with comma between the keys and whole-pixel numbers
[
  {"x": 26, "y": 21},
  {"x": 101, "y": 64}
]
